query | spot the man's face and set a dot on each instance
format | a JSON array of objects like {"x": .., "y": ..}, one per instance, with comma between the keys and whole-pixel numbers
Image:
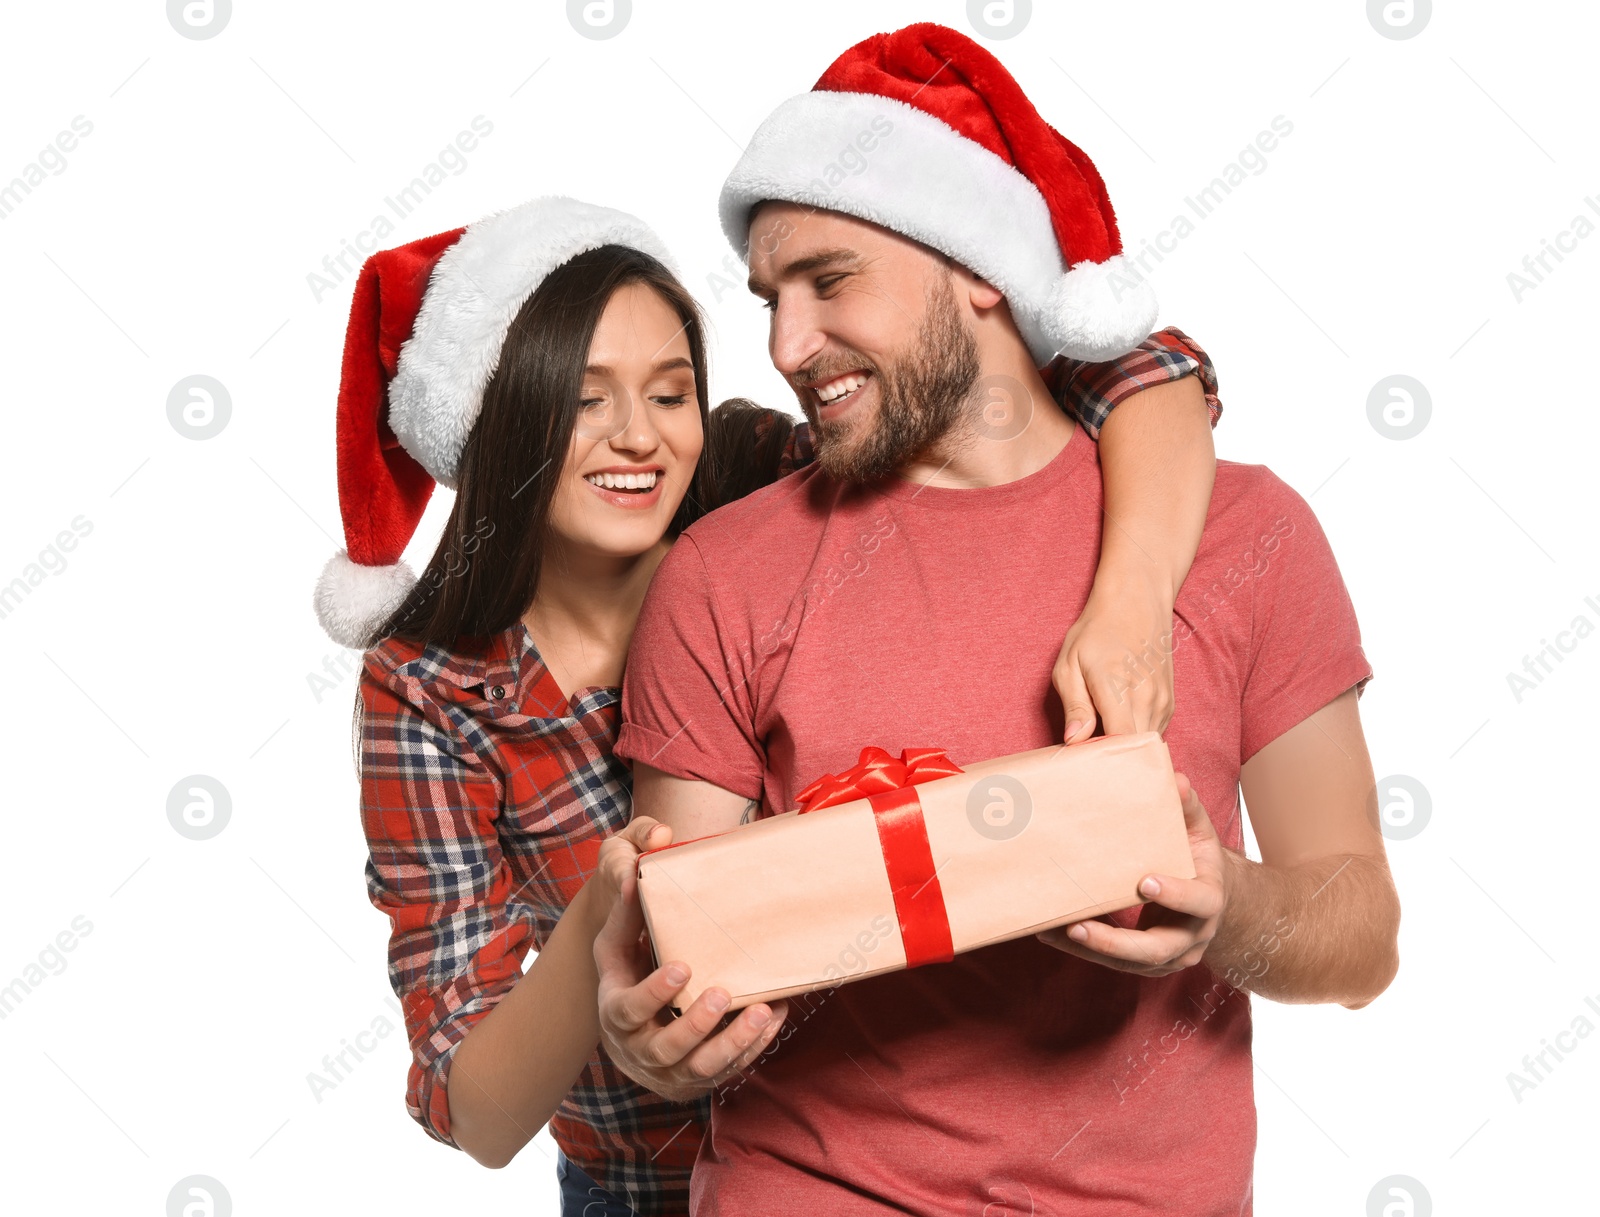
[{"x": 869, "y": 330}]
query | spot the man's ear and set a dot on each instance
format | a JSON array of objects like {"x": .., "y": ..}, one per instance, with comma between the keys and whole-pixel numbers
[
  {"x": 982, "y": 294},
  {"x": 985, "y": 295}
]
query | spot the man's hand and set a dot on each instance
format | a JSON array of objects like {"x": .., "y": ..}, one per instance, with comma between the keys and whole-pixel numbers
[
  {"x": 1178, "y": 928},
  {"x": 682, "y": 1058},
  {"x": 1116, "y": 662}
]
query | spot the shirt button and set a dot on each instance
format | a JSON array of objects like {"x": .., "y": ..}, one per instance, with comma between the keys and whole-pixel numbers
[{"x": 498, "y": 691}]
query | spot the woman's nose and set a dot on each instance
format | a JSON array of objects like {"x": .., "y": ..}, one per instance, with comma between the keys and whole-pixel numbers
[{"x": 636, "y": 431}]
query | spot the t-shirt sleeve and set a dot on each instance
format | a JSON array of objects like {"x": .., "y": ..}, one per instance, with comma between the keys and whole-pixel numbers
[
  {"x": 1305, "y": 644},
  {"x": 686, "y": 705}
]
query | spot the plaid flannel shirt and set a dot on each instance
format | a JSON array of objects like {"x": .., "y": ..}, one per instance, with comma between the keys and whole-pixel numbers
[{"x": 484, "y": 799}]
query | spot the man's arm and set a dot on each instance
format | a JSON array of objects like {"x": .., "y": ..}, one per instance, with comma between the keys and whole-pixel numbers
[
  {"x": 691, "y": 809},
  {"x": 684, "y": 1057},
  {"x": 1316, "y": 920}
]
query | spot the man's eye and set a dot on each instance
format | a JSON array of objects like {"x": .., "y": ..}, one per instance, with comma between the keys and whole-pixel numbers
[
  {"x": 829, "y": 282},
  {"x": 770, "y": 305}
]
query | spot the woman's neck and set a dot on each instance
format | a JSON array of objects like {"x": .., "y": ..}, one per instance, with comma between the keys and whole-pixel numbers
[{"x": 582, "y": 616}]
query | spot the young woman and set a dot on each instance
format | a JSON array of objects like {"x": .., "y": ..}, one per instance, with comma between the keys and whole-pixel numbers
[{"x": 547, "y": 365}]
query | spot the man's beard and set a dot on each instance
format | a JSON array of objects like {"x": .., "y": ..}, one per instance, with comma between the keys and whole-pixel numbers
[{"x": 921, "y": 396}]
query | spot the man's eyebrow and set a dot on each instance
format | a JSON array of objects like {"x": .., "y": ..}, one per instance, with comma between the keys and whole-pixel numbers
[
  {"x": 666, "y": 365},
  {"x": 800, "y": 266}
]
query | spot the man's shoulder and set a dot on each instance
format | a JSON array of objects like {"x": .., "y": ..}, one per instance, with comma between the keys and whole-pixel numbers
[
  {"x": 1246, "y": 493},
  {"x": 787, "y": 508},
  {"x": 1253, "y": 515},
  {"x": 750, "y": 552},
  {"x": 1257, "y": 523}
]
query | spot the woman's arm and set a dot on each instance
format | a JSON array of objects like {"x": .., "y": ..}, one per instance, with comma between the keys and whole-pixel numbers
[
  {"x": 1153, "y": 411},
  {"x": 519, "y": 1061},
  {"x": 494, "y": 1050}
]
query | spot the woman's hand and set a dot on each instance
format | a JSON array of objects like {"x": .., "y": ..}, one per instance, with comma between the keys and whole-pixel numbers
[
  {"x": 1157, "y": 465},
  {"x": 1115, "y": 665},
  {"x": 619, "y": 860},
  {"x": 517, "y": 1063}
]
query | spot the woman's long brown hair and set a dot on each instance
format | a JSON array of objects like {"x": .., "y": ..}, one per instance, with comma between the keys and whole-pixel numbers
[{"x": 485, "y": 571}]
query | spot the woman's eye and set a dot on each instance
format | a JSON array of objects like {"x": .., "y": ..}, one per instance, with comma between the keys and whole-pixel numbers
[
  {"x": 589, "y": 403},
  {"x": 671, "y": 401},
  {"x": 770, "y": 305}
]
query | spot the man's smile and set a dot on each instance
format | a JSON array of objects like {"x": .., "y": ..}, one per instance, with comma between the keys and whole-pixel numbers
[{"x": 836, "y": 394}]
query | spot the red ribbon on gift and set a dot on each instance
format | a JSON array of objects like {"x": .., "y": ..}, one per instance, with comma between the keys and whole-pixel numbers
[{"x": 889, "y": 784}]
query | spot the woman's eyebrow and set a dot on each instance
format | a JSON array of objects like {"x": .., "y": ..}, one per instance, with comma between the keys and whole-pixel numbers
[{"x": 666, "y": 365}]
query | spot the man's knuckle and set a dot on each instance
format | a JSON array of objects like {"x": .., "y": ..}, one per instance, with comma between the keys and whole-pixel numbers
[{"x": 704, "y": 1021}]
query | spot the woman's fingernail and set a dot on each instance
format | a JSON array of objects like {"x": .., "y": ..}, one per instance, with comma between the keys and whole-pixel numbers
[
  {"x": 676, "y": 974},
  {"x": 760, "y": 1018},
  {"x": 1077, "y": 933},
  {"x": 1073, "y": 729},
  {"x": 1150, "y": 887},
  {"x": 716, "y": 1001}
]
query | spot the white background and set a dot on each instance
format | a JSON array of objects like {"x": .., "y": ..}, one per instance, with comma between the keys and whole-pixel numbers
[{"x": 176, "y": 1038}]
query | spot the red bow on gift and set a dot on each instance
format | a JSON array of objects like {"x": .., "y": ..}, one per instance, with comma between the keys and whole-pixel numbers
[
  {"x": 888, "y": 784},
  {"x": 877, "y": 773}
]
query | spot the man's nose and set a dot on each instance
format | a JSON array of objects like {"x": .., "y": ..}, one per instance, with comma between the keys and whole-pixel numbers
[{"x": 796, "y": 338}]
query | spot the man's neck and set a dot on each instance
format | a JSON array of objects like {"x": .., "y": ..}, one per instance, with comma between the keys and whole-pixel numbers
[{"x": 1012, "y": 428}]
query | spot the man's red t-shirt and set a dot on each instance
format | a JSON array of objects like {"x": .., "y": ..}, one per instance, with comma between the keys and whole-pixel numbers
[{"x": 789, "y": 629}]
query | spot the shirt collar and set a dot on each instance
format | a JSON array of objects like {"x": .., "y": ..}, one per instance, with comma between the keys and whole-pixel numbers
[
  {"x": 536, "y": 692},
  {"x": 505, "y": 671}
]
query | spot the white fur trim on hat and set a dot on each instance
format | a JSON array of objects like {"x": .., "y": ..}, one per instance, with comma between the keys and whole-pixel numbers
[
  {"x": 882, "y": 160},
  {"x": 352, "y": 601},
  {"x": 473, "y": 296}
]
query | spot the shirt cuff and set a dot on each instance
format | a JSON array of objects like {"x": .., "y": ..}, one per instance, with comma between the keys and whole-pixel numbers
[
  {"x": 678, "y": 756},
  {"x": 799, "y": 451},
  {"x": 1290, "y": 707},
  {"x": 1092, "y": 390}
]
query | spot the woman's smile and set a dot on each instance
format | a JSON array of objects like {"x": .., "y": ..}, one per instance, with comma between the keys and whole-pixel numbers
[{"x": 631, "y": 487}]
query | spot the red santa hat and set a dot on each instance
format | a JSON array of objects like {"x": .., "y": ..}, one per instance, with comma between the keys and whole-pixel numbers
[
  {"x": 924, "y": 132},
  {"x": 427, "y": 323}
]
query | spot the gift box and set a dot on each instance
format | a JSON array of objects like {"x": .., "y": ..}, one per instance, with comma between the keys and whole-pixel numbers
[{"x": 910, "y": 860}]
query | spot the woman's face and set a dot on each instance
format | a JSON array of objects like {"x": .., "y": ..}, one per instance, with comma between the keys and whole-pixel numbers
[{"x": 638, "y": 434}]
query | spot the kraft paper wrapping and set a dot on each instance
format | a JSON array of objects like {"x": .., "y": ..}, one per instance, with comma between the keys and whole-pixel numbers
[{"x": 798, "y": 902}]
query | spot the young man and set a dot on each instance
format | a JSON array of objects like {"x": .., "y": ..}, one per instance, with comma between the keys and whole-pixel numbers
[{"x": 911, "y": 590}]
